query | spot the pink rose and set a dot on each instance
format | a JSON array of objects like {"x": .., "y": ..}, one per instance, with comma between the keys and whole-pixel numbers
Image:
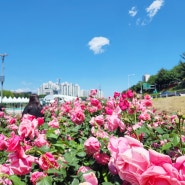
[
  {"x": 110, "y": 103},
  {"x": 28, "y": 116},
  {"x": 41, "y": 141},
  {"x": 13, "y": 127},
  {"x": 112, "y": 166},
  {"x": 47, "y": 161},
  {"x": 12, "y": 120},
  {"x": 116, "y": 95},
  {"x": 95, "y": 102},
  {"x": 155, "y": 175},
  {"x": 40, "y": 121},
  {"x": 180, "y": 166},
  {"x": 92, "y": 121},
  {"x": 147, "y": 97},
  {"x": 28, "y": 128},
  {"x": 13, "y": 143},
  {"x": 78, "y": 117},
  {"x": 92, "y": 109},
  {"x": 20, "y": 165},
  {"x": 54, "y": 124},
  {"x": 5, "y": 181},
  {"x": 98, "y": 132},
  {"x": 158, "y": 159},
  {"x": 113, "y": 122},
  {"x": 108, "y": 111},
  {"x": 83, "y": 169},
  {"x": 1, "y": 114},
  {"x": 99, "y": 120},
  {"x": 3, "y": 142},
  {"x": 124, "y": 104},
  {"x": 93, "y": 92},
  {"x": 144, "y": 116},
  {"x": 37, "y": 176},
  {"x": 119, "y": 145},
  {"x": 132, "y": 163},
  {"x": 129, "y": 94},
  {"x": 147, "y": 103},
  {"x": 101, "y": 158},
  {"x": 91, "y": 178},
  {"x": 92, "y": 145},
  {"x": 5, "y": 168}
]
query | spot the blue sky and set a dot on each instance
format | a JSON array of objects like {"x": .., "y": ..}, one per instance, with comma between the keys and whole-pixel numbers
[{"x": 94, "y": 43}]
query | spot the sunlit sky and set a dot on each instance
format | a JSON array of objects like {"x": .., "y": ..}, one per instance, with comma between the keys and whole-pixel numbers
[{"x": 93, "y": 43}]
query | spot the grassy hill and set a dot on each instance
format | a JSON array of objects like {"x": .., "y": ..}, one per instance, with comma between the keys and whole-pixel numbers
[{"x": 170, "y": 104}]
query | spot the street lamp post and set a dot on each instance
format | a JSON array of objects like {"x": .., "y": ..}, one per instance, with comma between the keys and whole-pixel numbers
[
  {"x": 141, "y": 90},
  {"x": 129, "y": 80},
  {"x": 2, "y": 75}
]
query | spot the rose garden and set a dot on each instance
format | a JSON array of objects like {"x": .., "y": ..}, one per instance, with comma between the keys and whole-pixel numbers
[{"x": 121, "y": 140}]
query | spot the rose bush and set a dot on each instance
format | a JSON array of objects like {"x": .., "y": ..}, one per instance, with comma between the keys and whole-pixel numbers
[{"x": 121, "y": 140}]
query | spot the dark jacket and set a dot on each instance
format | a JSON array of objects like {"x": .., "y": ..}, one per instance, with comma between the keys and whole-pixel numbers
[{"x": 33, "y": 110}]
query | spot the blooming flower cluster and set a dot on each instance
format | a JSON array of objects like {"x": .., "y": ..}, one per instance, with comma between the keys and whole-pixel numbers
[{"x": 121, "y": 140}]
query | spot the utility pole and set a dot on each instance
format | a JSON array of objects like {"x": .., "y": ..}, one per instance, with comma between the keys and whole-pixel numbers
[
  {"x": 2, "y": 74},
  {"x": 100, "y": 91}
]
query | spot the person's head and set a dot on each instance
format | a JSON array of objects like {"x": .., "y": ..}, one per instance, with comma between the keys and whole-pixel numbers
[{"x": 34, "y": 99}]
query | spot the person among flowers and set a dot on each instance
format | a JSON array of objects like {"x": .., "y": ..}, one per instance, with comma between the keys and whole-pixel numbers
[{"x": 33, "y": 107}]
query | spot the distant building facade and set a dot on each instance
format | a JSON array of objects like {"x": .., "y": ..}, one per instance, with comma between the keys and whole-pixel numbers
[
  {"x": 146, "y": 77},
  {"x": 65, "y": 88}
]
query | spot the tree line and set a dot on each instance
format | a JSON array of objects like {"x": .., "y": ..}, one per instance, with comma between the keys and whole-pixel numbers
[
  {"x": 12, "y": 94},
  {"x": 172, "y": 80}
]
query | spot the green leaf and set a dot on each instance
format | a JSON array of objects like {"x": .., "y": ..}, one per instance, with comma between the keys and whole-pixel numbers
[
  {"x": 71, "y": 159},
  {"x": 81, "y": 154},
  {"x": 143, "y": 130},
  {"x": 107, "y": 183},
  {"x": 159, "y": 130},
  {"x": 53, "y": 171},
  {"x": 75, "y": 182},
  {"x": 167, "y": 146},
  {"x": 16, "y": 180},
  {"x": 176, "y": 140},
  {"x": 45, "y": 181},
  {"x": 44, "y": 149},
  {"x": 166, "y": 136},
  {"x": 51, "y": 135}
]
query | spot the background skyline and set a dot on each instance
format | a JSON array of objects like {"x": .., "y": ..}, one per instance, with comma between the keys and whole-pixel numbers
[{"x": 96, "y": 44}]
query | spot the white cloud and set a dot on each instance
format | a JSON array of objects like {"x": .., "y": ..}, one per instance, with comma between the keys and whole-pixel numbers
[
  {"x": 154, "y": 8},
  {"x": 21, "y": 90},
  {"x": 133, "y": 11},
  {"x": 96, "y": 44},
  {"x": 26, "y": 87}
]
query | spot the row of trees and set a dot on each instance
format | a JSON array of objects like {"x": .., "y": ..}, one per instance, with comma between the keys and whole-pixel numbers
[
  {"x": 8, "y": 93},
  {"x": 173, "y": 79}
]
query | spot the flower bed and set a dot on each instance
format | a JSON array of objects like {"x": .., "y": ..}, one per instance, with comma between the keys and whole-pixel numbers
[{"x": 115, "y": 141}]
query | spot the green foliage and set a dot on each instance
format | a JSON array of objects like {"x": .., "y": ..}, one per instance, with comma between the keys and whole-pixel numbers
[
  {"x": 45, "y": 181},
  {"x": 65, "y": 140},
  {"x": 167, "y": 79},
  {"x": 16, "y": 180}
]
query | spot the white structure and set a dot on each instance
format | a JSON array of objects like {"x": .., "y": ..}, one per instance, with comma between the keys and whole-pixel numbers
[
  {"x": 48, "y": 88},
  {"x": 146, "y": 77},
  {"x": 65, "y": 88},
  {"x": 14, "y": 100},
  {"x": 69, "y": 89},
  {"x": 61, "y": 98}
]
